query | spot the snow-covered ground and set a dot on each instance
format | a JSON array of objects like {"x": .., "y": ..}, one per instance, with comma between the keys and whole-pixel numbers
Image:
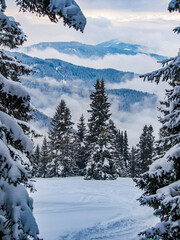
[{"x": 75, "y": 209}]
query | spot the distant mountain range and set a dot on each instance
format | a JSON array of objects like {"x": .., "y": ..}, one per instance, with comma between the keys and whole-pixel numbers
[
  {"x": 54, "y": 77},
  {"x": 100, "y": 50},
  {"x": 64, "y": 71}
]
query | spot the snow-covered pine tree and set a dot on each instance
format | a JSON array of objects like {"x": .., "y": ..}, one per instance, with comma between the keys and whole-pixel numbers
[
  {"x": 102, "y": 162},
  {"x": 162, "y": 182},
  {"x": 99, "y": 112},
  {"x": 35, "y": 161},
  {"x": 54, "y": 135},
  {"x": 81, "y": 129},
  {"x": 43, "y": 160},
  {"x": 101, "y": 148},
  {"x": 116, "y": 138},
  {"x": 121, "y": 143},
  {"x": 81, "y": 145},
  {"x": 132, "y": 169},
  {"x": 61, "y": 138},
  {"x": 145, "y": 150},
  {"x": 125, "y": 150},
  {"x": 16, "y": 218},
  {"x": 160, "y": 149}
]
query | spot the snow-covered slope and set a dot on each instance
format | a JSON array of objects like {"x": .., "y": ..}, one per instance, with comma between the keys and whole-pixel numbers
[
  {"x": 100, "y": 50},
  {"x": 75, "y": 209},
  {"x": 61, "y": 70}
]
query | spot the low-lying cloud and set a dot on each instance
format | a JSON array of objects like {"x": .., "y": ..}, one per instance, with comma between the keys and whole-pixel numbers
[
  {"x": 139, "y": 63},
  {"x": 140, "y": 85},
  {"x": 134, "y": 121}
]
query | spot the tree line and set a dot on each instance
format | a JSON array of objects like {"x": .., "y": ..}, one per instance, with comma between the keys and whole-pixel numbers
[{"x": 96, "y": 150}]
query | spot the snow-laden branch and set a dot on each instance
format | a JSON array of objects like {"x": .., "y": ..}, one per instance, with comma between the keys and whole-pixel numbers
[
  {"x": 33, "y": 130},
  {"x": 16, "y": 132},
  {"x": 171, "y": 66},
  {"x": 165, "y": 163},
  {"x": 174, "y": 5},
  {"x": 177, "y": 29},
  {"x": 10, "y": 169},
  {"x": 55, "y": 9},
  {"x": 11, "y": 35},
  {"x": 13, "y": 88}
]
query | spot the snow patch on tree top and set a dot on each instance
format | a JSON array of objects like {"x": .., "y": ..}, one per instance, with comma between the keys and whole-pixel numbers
[{"x": 165, "y": 162}]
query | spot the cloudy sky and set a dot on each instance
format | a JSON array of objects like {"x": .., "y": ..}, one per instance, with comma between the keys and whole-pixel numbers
[
  {"x": 133, "y": 21},
  {"x": 144, "y": 22}
]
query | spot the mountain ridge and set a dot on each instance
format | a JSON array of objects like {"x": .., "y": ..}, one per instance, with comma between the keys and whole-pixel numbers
[
  {"x": 99, "y": 50},
  {"x": 62, "y": 70}
]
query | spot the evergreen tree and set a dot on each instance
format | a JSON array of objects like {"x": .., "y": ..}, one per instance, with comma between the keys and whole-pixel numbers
[
  {"x": 133, "y": 171},
  {"x": 61, "y": 143},
  {"x": 82, "y": 131},
  {"x": 35, "y": 161},
  {"x": 99, "y": 112},
  {"x": 81, "y": 146},
  {"x": 101, "y": 165},
  {"x": 102, "y": 157},
  {"x": 15, "y": 147},
  {"x": 118, "y": 146},
  {"x": 145, "y": 150},
  {"x": 164, "y": 108},
  {"x": 121, "y": 143},
  {"x": 44, "y": 159},
  {"x": 162, "y": 182},
  {"x": 125, "y": 149}
]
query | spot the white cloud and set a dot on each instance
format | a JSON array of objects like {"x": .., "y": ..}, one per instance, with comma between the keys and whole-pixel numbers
[
  {"x": 134, "y": 121},
  {"x": 139, "y": 63}
]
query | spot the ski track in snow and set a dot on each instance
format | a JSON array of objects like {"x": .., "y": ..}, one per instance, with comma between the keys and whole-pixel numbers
[
  {"x": 75, "y": 209},
  {"x": 118, "y": 229}
]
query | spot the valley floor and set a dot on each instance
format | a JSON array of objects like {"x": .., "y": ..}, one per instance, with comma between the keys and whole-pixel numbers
[{"x": 75, "y": 209}]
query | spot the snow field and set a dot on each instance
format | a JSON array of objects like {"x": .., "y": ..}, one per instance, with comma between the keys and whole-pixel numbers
[{"x": 74, "y": 209}]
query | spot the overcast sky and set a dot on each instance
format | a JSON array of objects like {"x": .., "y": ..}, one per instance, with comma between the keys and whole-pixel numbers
[
  {"x": 145, "y": 22},
  {"x": 133, "y": 21}
]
